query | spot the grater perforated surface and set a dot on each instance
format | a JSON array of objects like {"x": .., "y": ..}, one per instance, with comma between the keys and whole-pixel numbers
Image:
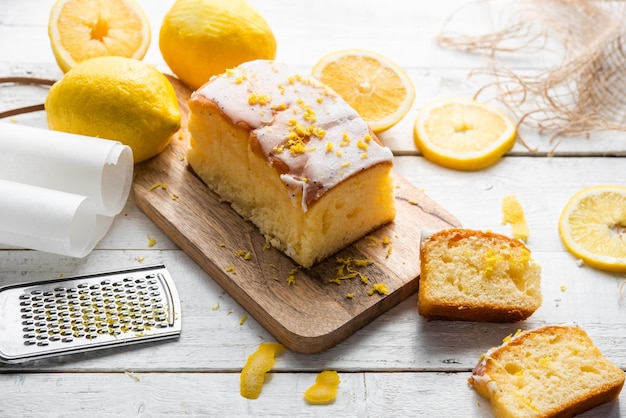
[{"x": 83, "y": 313}]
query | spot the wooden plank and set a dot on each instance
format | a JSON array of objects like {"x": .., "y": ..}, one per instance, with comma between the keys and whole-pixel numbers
[
  {"x": 314, "y": 314},
  {"x": 214, "y": 340},
  {"x": 131, "y": 393}
]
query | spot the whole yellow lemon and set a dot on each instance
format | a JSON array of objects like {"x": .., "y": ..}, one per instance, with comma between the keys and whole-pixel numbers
[
  {"x": 202, "y": 38},
  {"x": 116, "y": 98}
]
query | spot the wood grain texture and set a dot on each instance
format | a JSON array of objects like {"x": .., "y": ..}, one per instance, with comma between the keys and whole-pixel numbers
[{"x": 313, "y": 314}]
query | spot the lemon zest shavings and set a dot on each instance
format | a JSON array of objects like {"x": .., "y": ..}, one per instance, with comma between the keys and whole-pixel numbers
[
  {"x": 257, "y": 365},
  {"x": 379, "y": 288},
  {"x": 324, "y": 390},
  {"x": 513, "y": 213}
]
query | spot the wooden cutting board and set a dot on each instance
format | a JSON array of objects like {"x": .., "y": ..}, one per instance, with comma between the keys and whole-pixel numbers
[{"x": 313, "y": 313}]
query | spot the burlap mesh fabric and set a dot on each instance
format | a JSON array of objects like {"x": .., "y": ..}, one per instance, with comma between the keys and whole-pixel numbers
[{"x": 585, "y": 92}]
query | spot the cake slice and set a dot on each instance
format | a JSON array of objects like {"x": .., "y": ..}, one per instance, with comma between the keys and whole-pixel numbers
[
  {"x": 554, "y": 371},
  {"x": 477, "y": 276},
  {"x": 291, "y": 156}
]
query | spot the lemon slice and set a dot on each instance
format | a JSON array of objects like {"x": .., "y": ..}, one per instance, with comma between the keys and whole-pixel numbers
[
  {"x": 463, "y": 134},
  {"x": 593, "y": 227},
  {"x": 83, "y": 29},
  {"x": 377, "y": 88}
]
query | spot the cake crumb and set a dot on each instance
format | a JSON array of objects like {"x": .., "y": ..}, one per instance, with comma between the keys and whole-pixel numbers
[
  {"x": 140, "y": 259},
  {"x": 349, "y": 295},
  {"x": 242, "y": 319},
  {"x": 231, "y": 269},
  {"x": 216, "y": 307},
  {"x": 563, "y": 288}
]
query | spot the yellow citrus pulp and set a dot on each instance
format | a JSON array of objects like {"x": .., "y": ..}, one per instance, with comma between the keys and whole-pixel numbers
[
  {"x": 463, "y": 134},
  {"x": 83, "y": 29},
  {"x": 202, "y": 38},
  {"x": 116, "y": 98},
  {"x": 592, "y": 227},
  {"x": 376, "y": 87}
]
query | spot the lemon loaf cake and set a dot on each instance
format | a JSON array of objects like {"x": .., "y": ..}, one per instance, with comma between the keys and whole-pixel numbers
[
  {"x": 477, "y": 276},
  {"x": 291, "y": 156},
  {"x": 553, "y": 371}
]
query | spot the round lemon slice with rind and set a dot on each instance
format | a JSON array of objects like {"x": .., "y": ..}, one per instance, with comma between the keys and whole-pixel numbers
[
  {"x": 463, "y": 134},
  {"x": 592, "y": 227},
  {"x": 379, "y": 90}
]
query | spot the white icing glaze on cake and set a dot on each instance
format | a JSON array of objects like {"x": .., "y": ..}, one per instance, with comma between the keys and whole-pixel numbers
[{"x": 306, "y": 131}]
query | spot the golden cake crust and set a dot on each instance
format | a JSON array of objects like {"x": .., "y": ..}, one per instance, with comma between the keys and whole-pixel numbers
[
  {"x": 473, "y": 275},
  {"x": 524, "y": 376}
]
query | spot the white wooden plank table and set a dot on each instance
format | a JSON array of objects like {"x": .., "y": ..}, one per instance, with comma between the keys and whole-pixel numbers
[{"x": 398, "y": 365}]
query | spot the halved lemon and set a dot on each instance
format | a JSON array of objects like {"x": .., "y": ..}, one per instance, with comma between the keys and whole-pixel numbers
[
  {"x": 592, "y": 227},
  {"x": 462, "y": 133},
  {"x": 83, "y": 29},
  {"x": 376, "y": 87}
]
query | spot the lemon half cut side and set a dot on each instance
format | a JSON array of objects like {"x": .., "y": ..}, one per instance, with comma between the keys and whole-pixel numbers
[
  {"x": 463, "y": 134},
  {"x": 83, "y": 29},
  {"x": 592, "y": 227},
  {"x": 376, "y": 87}
]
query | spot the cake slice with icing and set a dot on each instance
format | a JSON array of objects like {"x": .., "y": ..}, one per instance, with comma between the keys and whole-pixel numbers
[{"x": 292, "y": 157}]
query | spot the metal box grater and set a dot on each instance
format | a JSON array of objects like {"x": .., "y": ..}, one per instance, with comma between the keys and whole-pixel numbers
[{"x": 69, "y": 315}]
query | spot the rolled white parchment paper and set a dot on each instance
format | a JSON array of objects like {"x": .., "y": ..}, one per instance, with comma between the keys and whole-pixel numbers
[{"x": 59, "y": 192}]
